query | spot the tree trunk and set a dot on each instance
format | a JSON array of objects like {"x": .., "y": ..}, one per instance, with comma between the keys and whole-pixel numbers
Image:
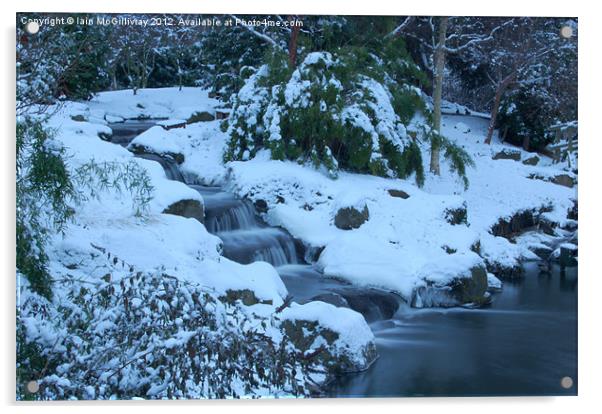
[
  {"x": 292, "y": 46},
  {"x": 496, "y": 105},
  {"x": 526, "y": 143},
  {"x": 437, "y": 91}
]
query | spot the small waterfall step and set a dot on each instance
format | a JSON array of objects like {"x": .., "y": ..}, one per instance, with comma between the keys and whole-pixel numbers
[
  {"x": 266, "y": 244},
  {"x": 125, "y": 132}
]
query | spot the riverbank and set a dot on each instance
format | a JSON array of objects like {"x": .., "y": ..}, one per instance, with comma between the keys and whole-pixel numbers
[{"x": 436, "y": 246}]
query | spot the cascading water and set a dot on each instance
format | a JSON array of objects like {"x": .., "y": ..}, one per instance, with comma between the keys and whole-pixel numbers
[
  {"x": 245, "y": 237},
  {"x": 414, "y": 345}
]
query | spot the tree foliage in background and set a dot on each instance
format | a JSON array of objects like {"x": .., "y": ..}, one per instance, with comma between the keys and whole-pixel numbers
[{"x": 333, "y": 110}]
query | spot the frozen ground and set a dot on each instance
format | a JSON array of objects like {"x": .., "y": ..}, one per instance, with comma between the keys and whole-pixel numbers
[
  {"x": 406, "y": 243},
  {"x": 109, "y": 235}
]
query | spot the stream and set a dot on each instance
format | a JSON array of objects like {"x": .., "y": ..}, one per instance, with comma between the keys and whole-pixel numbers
[{"x": 522, "y": 344}]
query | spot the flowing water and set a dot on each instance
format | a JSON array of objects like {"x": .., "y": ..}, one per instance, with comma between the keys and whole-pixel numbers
[{"x": 523, "y": 344}]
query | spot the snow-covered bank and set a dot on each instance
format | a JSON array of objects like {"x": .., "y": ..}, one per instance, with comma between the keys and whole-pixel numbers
[
  {"x": 409, "y": 241},
  {"x": 112, "y": 237}
]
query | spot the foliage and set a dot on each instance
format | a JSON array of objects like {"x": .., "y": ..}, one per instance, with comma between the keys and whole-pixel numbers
[
  {"x": 335, "y": 111},
  {"x": 527, "y": 114},
  {"x": 60, "y": 61},
  {"x": 150, "y": 336},
  {"x": 44, "y": 188},
  {"x": 47, "y": 192},
  {"x": 94, "y": 178}
]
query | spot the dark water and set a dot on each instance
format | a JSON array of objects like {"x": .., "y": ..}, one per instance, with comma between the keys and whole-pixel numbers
[{"x": 522, "y": 345}]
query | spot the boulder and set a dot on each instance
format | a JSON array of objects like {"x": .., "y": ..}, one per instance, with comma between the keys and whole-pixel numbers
[
  {"x": 261, "y": 206},
  {"x": 105, "y": 136},
  {"x": 564, "y": 180},
  {"x": 547, "y": 225},
  {"x": 507, "y": 154},
  {"x": 344, "y": 346},
  {"x": 398, "y": 193},
  {"x": 187, "y": 208},
  {"x": 142, "y": 149},
  {"x": 246, "y": 296},
  {"x": 348, "y": 218},
  {"x": 505, "y": 271},
  {"x": 78, "y": 118},
  {"x": 568, "y": 255},
  {"x": 471, "y": 289},
  {"x": 201, "y": 116},
  {"x": 373, "y": 304},
  {"x": 221, "y": 114},
  {"x": 332, "y": 298},
  {"x": 509, "y": 227},
  {"x": 534, "y": 160},
  {"x": 542, "y": 251}
]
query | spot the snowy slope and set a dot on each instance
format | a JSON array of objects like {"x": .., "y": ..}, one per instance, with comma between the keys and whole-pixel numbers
[{"x": 406, "y": 243}]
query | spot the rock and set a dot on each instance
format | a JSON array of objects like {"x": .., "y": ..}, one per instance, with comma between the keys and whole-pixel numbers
[
  {"x": 348, "y": 218},
  {"x": 337, "y": 356},
  {"x": 187, "y": 208},
  {"x": 507, "y": 154},
  {"x": 374, "y": 304},
  {"x": 246, "y": 296},
  {"x": 573, "y": 213},
  {"x": 220, "y": 114},
  {"x": 542, "y": 251},
  {"x": 202, "y": 116},
  {"x": 564, "y": 180},
  {"x": 261, "y": 206},
  {"x": 568, "y": 255},
  {"x": 398, "y": 193},
  {"x": 458, "y": 215},
  {"x": 493, "y": 283},
  {"x": 449, "y": 250},
  {"x": 78, "y": 118},
  {"x": 505, "y": 271},
  {"x": 472, "y": 289},
  {"x": 534, "y": 160},
  {"x": 332, "y": 298},
  {"x": 105, "y": 136},
  {"x": 509, "y": 227},
  {"x": 546, "y": 225},
  {"x": 141, "y": 149}
]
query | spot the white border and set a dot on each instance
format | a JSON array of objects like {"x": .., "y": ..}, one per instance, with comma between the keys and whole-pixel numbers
[{"x": 590, "y": 111}]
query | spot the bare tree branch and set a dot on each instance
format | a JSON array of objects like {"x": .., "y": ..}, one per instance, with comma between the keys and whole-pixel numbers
[
  {"x": 400, "y": 28},
  {"x": 260, "y": 35}
]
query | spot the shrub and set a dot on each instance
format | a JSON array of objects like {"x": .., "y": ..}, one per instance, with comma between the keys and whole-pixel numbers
[
  {"x": 526, "y": 114},
  {"x": 151, "y": 336},
  {"x": 47, "y": 192},
  {"x": 44, "y": 188},
  {"x": 333, "y": 111}
]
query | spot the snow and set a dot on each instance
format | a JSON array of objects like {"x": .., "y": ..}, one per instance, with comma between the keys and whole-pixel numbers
[
  {"x": 406, "y": 244},
  {"x": 157, "y": 139},
  {"x": 153, "y": 103},
  {"x": 354, "y": 333},
  {"x": 400, "y": 247},
  {"x": 155, "y": 241}
]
